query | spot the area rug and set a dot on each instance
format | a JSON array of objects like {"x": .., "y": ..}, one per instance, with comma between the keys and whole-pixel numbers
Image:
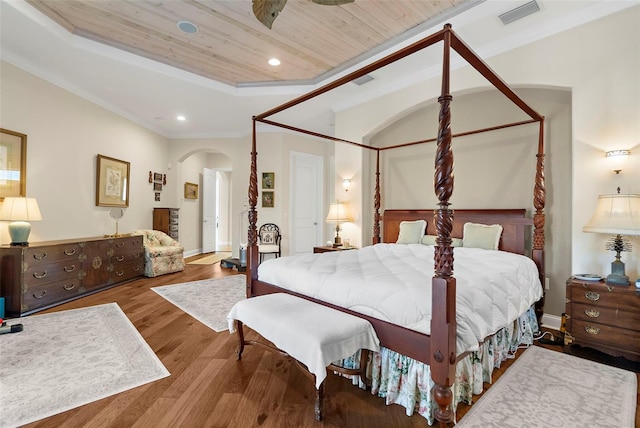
[
  {"x": 67, "y": 359},
  {"x": 211, "y": 259},
  {"x": 209, "y": 301},
  {"x": 545, "y": 388}
]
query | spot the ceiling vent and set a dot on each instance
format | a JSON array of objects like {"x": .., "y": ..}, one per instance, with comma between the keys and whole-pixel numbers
[
  {"x": 519, "y": 12},
  {"x": 362, "y": 80}
]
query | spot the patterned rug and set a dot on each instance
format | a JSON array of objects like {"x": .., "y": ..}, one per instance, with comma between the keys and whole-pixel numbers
[
  {"x": 209, "y": 301},
  {"x": 67, "y": 359},
  {"x": 211, "y": 259},
  {"x": 546, "y": 388}
]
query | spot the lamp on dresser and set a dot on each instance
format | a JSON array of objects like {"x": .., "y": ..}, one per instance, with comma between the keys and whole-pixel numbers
[
  {"x": 617, "y": 215},
  {"x": 338, "y": 213},
  {"x": 20, "y": 211}
]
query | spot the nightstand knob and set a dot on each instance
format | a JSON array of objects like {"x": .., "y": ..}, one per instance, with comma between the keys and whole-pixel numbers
[
  {"x": 592, "y": 330},
  {"x": 592, "y": 295},
  {"x": 592, "y": 313}
]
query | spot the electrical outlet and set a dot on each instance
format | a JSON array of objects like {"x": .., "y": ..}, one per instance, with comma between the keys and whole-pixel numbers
[{"x": 546, "y": 283}]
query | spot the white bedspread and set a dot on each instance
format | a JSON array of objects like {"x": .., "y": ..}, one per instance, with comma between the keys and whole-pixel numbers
[{"x": 392, "y": 282}]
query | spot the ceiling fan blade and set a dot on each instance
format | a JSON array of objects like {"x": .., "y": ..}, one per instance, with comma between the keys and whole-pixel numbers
[
  {"x": 266, "y": 11},
  {"x": 332, "y": 2}
]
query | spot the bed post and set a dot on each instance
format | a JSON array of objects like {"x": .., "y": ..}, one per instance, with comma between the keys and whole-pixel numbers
[
  {"x": 443, "y": 317},
  {"x": 252, "y": 250},
  {"x": 539, "y": 201},
  {"x": 376, "y": 202}
]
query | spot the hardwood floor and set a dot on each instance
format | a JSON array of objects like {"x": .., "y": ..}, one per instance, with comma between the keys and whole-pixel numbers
[{"x": 209, "y": 388}]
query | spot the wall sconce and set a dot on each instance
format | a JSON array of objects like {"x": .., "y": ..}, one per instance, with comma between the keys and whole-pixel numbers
[
  {"x": 617, "y": 159},
  {"x": 346, "y": 183}
]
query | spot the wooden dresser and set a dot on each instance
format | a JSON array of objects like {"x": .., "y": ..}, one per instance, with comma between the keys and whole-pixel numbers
[
  {"x": 46, "y": 274},
  {"x": 603, "y": 317},
  {"x": 167, "y": 220}
]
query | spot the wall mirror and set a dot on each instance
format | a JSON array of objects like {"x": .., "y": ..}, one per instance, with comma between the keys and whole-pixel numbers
[{"x": 13, "y": 164}]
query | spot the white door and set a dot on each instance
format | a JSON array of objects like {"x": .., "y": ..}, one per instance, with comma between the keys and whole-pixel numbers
[
  {"x": 209, "y": 206},
  {"x": 306, "y": 202}
]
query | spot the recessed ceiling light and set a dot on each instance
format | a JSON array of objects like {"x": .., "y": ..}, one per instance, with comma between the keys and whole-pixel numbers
[
  {"x": 274, "y": 62},
  {"x": 181, "y": 118},
  {"x": 187, "y": 27}
]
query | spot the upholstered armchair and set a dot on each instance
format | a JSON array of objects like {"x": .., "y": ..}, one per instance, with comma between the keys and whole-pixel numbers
[{"x": 162, "y": 254}]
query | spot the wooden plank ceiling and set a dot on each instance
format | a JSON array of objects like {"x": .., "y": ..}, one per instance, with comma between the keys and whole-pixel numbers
[{"x": 232, "y": 47}]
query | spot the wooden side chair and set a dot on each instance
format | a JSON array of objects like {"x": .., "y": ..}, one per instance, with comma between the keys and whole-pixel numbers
[{"x": 269, "y": 240}]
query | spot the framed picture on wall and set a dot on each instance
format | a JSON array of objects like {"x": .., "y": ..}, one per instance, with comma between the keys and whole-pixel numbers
[
  {"x": 190, "y": 191},
  {"x": 13, "y": 164},
  {"x": 268, "y": 180},
  {"x": 112, "y": 182},
  {"x": 157, "y": 196},
  {"x": 157, "y": 187},
  {"x": 157, "y": 177},
  {"x": 268, "y": 200}
]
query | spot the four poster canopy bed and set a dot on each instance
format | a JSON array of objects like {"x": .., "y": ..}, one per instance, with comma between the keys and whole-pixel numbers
[{"x": 436, "y": 325}]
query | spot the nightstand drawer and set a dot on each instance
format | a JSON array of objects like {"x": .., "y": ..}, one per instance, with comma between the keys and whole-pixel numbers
[
  {"x": 584, "y": 331},
  {"x": 602, "y": 296},
  {"x": 608, "y": 316}
]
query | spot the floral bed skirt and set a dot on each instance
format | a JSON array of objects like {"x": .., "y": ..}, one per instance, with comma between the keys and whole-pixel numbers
[{"x": 407, "y": 382}]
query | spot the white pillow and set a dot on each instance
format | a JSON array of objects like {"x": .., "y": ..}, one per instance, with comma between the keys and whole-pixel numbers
[
  {"x": 431, "y": 240},
  {"x": 481, "y": 236},
  {"x": 411, "y": 232}
]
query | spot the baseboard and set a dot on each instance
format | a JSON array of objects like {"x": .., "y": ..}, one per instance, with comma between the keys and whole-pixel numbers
[
  {"x": 551, "y": 321},
  {"x": 193, "y": 252}
]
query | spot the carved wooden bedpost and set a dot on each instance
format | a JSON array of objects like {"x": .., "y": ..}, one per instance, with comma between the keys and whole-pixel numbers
[
  {"x": 443, "y": 317},
  {"x": 539, "y": 201},
  {"x": 376, "y": 202},
  {"x": 252, "y": 250}
]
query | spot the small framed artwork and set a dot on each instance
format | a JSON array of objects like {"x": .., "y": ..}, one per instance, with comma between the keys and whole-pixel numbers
[
  {"x": 157, "y": 187},
  {"x": 112, "y": 182},
  {"x": 190, "y": 191},
  {"x": 157, "y": 196},
  {"x": 157, "y": 177},
  {"x": 268, "y": 180},
  {"x": 13, "y": 164},
  {"x": 268, "y": 200}
]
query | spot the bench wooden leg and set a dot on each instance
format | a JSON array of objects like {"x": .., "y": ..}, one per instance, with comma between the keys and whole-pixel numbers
[
  {"x": 319, "y": 400},
  {"x": 240, "y": 334}
]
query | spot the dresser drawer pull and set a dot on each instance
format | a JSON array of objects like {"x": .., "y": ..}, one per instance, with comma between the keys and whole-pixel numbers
[
  {"x": 119, "y": 258},
  {"x": 592, "y": 313},
  {"x": 119, "y": 244},
  {"x": 69, "y": 287},
  {"x": 136, "y": 255},
  {"x": 120, "y": 273},
  {"x": 41, "y": 294},
  {"x": 40, "y": 256},
  {"x": 136, "y": 269},
  {"x": 592, "y": 330},
  {"x": 592, "y": 295},
  {"x": 69, "y": 269},
  {"x": 69, "y": 252},
  {"x": 39, "y": 275}
]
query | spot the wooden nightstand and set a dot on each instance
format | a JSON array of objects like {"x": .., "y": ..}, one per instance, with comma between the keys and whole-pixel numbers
[
  {"x": 327, "y": 249},
  {"x": 603, "y": 317}
]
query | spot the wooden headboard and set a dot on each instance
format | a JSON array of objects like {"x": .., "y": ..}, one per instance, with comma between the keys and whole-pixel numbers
[{"x": 513, "y": 221}]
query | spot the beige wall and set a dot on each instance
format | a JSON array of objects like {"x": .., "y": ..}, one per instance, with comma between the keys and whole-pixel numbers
[{"x": 605, "y": 111}]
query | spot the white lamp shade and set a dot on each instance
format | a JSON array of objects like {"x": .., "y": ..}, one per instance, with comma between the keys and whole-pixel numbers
[
  {"x": 20, "y": 209},
  {"x": 338, "y": 213},
  {"x": 616, "y": 215}
]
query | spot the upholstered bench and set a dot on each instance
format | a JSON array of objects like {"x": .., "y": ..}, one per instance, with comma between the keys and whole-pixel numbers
[{"x": 312, "y": 334}]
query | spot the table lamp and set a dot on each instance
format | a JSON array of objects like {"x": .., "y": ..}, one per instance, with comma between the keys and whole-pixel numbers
[
  {"x": 338, "y": 213},
  {"x": 617, "y": 215},
  {"x": 20, "y": 211}
]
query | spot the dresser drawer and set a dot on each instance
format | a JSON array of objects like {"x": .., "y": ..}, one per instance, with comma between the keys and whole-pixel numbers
[
  {"x": 591, "y": 332},
  {"x": 43, "y": 274},
  {"x": 174, "y": 213},
  {"x": 123, "y": 272},
  {"x": 602, "y": 296},
  {"x": 133, "y": 256},
  {"x": 55, "y": 253},
  {"x": 46, "y": 294},
  {"x": 608, "y": 316},
  {"x": 126, "y": 246}
]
